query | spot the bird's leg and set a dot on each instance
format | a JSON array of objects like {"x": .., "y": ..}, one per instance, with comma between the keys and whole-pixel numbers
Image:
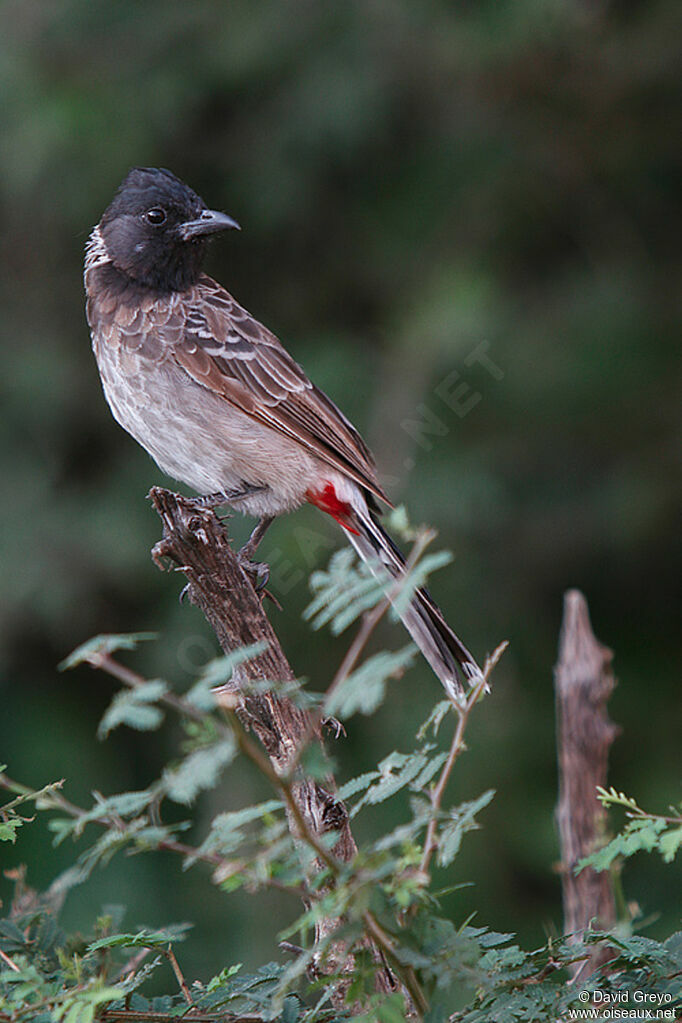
[
  {"x": 224, "y": 496},
  {"x": 258, "y": 570},
  {"x": 251, "y": 546}
]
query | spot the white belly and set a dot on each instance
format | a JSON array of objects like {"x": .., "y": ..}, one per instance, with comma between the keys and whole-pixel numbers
[{"x": 203, "y": 440}]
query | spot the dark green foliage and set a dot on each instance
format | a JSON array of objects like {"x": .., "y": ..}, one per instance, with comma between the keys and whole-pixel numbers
[
  {"x": 449, "y": 972},
  {"x": 57, "y": 974}
]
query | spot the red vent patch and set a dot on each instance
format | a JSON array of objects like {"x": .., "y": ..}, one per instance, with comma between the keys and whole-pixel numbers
[{"x": 327, "y": 501}]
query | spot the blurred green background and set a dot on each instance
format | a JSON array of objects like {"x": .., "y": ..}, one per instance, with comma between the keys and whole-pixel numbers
[{"x": 418, "y": 184}]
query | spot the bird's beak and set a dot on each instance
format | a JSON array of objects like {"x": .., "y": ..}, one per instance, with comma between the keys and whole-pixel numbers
[{"x": 208, "y": 222}]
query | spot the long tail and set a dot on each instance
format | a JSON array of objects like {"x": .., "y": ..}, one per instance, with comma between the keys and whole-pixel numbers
[{"x": 423, "y": 619}]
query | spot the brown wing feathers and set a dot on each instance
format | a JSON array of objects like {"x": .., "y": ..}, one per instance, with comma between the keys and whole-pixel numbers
[{"x": 224, "y": 349}]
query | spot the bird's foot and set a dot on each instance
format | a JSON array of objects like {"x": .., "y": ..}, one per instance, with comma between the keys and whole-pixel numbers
[
  {"x": 335, "y": 726},
  {"x": 161, "y": 550},
  {"x": 257, "y": 571}
]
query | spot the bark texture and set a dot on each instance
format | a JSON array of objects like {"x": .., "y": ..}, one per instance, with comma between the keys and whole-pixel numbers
[
  {"x": 584, "y": 682},
  {"x": 196, "y": 541}
]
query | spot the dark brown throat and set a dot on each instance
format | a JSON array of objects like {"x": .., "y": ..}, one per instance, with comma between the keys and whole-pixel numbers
[{"x": 107, "y": 282}]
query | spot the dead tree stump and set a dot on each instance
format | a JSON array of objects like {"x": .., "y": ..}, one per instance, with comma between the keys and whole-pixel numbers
[
  {"x": 199, "y": 545},
  {"x": 584, "y": 682}
]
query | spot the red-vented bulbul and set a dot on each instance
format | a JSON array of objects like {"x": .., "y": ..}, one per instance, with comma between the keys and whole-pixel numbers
[{"x": 216, "y": 400}]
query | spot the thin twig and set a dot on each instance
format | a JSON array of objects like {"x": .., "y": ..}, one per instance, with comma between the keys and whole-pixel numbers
[
  {"x": 170, "y": 956},
  {"x": 405, "y": 972},
  {"x": 10, "y": 962},
  {"x": 130, "y": 967},
  {"x": 51, "y": 796},
  {"x": 282, "y": 784},
  {"x": 456, "y": 747},
  {"x": 370, "y": 620},
  {"x": 59, "y": 802},
  {"x": 374, "y": 931},
  {"x": 132, "y": 680},
  {"x": 133, "y": 1016}
]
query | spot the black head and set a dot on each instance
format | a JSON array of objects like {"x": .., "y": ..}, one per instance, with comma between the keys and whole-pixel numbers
[{"x": 155, "y": 230}]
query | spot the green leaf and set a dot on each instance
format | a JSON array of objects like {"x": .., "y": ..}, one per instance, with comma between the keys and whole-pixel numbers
[
  {"x": 357, "y": 784},
  {"x": 62, "y": 827},
  {"x": 9, "y": 930},
  {"x": 397, "y": 521},
  {"x": 363, "y": 690},
  {"x": 134, "y": 707},
  {"x": 395, "y": 772},
  {"x": 126, "y": 804},
  {"x": 77, "y": 1013},
  {"x": 345, "y": 591},
  {"x": 417, "y": 578},
  {"x": 226, "y": 832},
  {"x": 611, "y": 797},
  {"x": 9, "y": 828},
  {"x": 315, "y": 763},
  {"x": 152, "y": 836},
  {"x": 143, "y": 938},
  {"x": 217, "y": 672},
  {"x": 670, "y": 843},
  {"x": 106, "y": 847},
  {"x": 100, "y": 646},
  {"x": 435, "y": 718},
  {"x": 462, "y": 820},
  {"x": 388, "y": 1009},
  {"x": 200, "y": 770},
  {"x": 424, "y": 777},
  {"x": 82, "y": 1006},
  {"x": 290, "y": 1010},
  {"x": 221, "y": 978},
  {"x": 638, "y": 835}
]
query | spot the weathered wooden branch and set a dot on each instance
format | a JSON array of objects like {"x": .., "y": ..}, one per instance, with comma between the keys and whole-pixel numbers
[
  {"x": 584, "y": 682},
  {"x": 198, "y": 543}
]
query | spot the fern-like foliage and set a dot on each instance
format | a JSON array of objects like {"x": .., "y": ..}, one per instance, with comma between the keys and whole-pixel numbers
[
  {"x": 386, "y": 894},
  {"x": 643, "y": 832}
]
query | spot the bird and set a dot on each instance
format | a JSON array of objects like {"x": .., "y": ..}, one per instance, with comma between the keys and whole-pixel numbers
[{"x": 218, "y": 402}]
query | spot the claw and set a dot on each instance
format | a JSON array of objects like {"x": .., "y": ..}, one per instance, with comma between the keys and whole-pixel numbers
[
  {"x": 335, "y": 726},
  {"x": 257, "y": 571},
  {"x": 161, "y": 549},
  {"x": 271, "y": 597}
]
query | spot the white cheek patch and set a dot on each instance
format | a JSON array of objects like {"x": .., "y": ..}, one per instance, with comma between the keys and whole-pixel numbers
[{"x": 139, "y": 247}]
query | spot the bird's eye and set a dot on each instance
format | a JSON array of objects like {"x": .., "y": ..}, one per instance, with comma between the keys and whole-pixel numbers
[{"x": 155, "y": 216}]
